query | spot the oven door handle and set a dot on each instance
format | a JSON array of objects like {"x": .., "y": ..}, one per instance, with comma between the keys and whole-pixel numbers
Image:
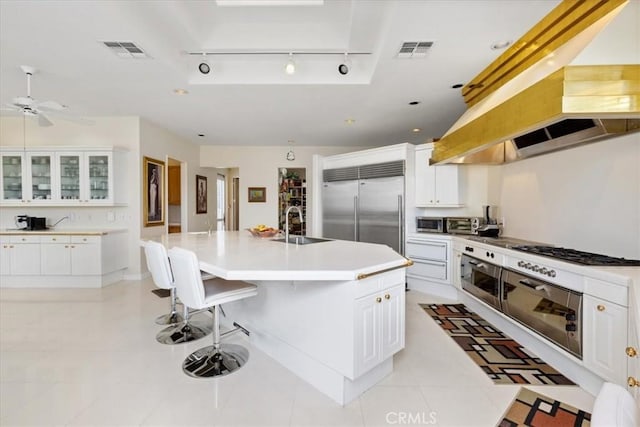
[
  {"x": 528, "y": 284},
  {"x": 478, "y": 264}
]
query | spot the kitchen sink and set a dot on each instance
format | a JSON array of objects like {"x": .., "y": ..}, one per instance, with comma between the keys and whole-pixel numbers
[{"x": 302, "y": 240}]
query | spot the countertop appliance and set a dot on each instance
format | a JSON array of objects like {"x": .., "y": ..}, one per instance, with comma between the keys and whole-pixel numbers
[
  {"x": 25, "y": 222},
  {"x": 365, "y": 204},
  {"x": 430, "y": 224},
  {"x": 463, "y": 225},
  {"x": 490, "y": 227}
]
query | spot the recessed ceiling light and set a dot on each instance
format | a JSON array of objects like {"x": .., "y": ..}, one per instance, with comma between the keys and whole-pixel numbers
[
  {"x": 201, "y": 135},
  {"x": 457, "y": 86},
  {"x": 180, "y": 91},
  {"x": 350, "y": 121},
  {"x": 416, "y": 130},
  {"x": 414, "y": 103},
  {"x": 500, "y": 44}
]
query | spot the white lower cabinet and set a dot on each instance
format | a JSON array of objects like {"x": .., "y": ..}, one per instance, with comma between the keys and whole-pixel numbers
[
  {"x": 431, "y": 269},
  {"x": 605, "y": 338},
  {"x": 632, "y": 352},
  {"x": 379, "y": 327},
  {"x": 20, "y": 256},
  {"x": 63, "y": 260},
  {"x": 71, "y": 255}
]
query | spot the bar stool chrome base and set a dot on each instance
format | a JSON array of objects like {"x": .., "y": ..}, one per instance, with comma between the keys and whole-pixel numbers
[
  {"x": 197, "y": 327},
  {"x": 207, "y": 362},
  {"x": 169, "y": 319}
]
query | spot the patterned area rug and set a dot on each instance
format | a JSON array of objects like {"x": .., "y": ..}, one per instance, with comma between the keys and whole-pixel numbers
[
  {"x": 501, "y": 358},
  {"x": 532, "y": 409}
]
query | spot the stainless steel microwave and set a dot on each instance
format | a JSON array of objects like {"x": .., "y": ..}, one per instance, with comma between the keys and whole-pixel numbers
[{"x": 430, "y": 224}]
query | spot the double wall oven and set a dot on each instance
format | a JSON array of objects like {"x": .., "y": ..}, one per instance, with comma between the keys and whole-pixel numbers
[{"x": 550, "y": 310}]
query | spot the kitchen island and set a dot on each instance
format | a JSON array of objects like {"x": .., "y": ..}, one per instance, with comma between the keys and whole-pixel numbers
[{"x": 332, "y": 312}]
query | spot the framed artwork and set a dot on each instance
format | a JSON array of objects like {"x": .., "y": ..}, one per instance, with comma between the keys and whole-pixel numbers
[
  {"x": 153, "y": 191},
  {"x": 201, "y": 194},
  {"x": 257, "y": 194}
]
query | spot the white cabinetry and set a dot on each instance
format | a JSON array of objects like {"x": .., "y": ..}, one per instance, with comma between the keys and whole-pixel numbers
[
  {"x": 71, "y": 255},
  {"x": 63, "y": 260},
  {"x": 431, "y": 269},
  {"x": 436, "y": 186},
  {"x": 632, "y": 352},
  {"x": 605, "y": 336},
  {"x": 379, "y": 327},
  {"x": 61, "y": 177},
  {"x": 20, "y": 255}
]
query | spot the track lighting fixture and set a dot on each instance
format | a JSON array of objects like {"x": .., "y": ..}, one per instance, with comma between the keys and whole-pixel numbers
[
  {"x": 290, "y": 68},
  {"x": 346, "y": 64},
  {"x": 204, "y": 66}
]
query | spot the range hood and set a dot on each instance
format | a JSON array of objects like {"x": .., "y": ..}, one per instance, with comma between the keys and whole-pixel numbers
[
  {"x": 573, "y": 106},
  {"x": 529, "y": 102}
]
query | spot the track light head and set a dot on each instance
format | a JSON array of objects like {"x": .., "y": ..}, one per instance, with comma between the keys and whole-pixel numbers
[
  {"x": 290, "y": 68},
  {"x": 346, "y": 64},
  {"x": 204, "y": 67}
]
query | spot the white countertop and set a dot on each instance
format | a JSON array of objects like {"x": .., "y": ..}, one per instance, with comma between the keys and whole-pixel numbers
[
  {"x": 61, "y": 231},
  {"x": 236, "y": 255}
]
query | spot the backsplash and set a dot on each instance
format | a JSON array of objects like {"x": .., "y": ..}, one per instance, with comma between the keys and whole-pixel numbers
[{"x": 93, "y": 217}]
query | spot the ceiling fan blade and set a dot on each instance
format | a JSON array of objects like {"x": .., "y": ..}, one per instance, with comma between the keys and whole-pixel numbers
[
  {"x": 43, "y": 120},
  {"x": 51, "y": 105}
]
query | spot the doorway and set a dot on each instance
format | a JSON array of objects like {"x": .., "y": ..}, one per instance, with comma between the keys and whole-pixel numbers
[
  {"x": 235, "y": 204},
  {"x": 221, "y": 202},
  {"x": 174, "y": 196}
]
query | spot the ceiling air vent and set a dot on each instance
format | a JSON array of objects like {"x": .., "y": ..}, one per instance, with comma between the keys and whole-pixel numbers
[
  {"x": 126, "y": 50},
  {"x": 414, "y": 49}
]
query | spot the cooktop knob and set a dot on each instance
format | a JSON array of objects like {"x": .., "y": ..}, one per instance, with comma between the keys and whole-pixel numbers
[
  {"x": 520, "y": 263},
  {"x": 544, "y": 270},
  {"x": 528, "y": 266},
  {"x": 536, "y": 268},
  {"x": 552, "y": 273}
]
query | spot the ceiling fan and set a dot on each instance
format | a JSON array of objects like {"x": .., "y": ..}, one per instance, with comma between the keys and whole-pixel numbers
[{"x": 28, "y": 106}]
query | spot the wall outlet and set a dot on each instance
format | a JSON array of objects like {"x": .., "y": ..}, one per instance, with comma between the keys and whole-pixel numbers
[
  {"x": 501, "y": 221},
  {"x": 72, "y": 216}
]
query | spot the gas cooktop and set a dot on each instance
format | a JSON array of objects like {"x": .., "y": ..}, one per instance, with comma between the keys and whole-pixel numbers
[{"x": 578, "y": 257}]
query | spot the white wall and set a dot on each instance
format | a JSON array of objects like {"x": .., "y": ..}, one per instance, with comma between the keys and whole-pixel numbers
[
  {"x": 258, "y": 167},
  {"x": 586, "y": 198}
]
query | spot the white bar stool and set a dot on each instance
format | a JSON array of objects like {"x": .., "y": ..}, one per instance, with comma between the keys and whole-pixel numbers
[
  {"x": 217, "y": 359},
  {"x": 186, "y": 327}
]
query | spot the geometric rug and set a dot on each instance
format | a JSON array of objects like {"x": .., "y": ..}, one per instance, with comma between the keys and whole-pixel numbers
[
  {"x": 532, "y": 409},
  {"x": 501, "y": 358}
]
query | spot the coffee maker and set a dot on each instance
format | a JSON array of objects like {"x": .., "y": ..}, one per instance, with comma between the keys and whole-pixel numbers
[{"x": 25, "y": 222}]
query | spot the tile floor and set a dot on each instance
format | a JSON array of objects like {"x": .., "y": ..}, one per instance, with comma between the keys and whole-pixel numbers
[{"x": 89, "y": 358}]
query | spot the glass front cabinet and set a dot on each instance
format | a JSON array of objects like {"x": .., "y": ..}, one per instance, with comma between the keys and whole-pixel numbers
[{"x": 61, "y": 178}]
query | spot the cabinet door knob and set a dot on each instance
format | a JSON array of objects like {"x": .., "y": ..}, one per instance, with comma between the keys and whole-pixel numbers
[
  {"x": 600, "y": 307},
  {"x": 54, "y": 239},
  {"x": 378, "y": 299},
  {"x": 23, "y": 239},
  {"x": 631, "y": 351},
  {"x": 387, "y": 296},
  {"x": 84, "y": 240},
  {"x": 66, "y": 246},
  {"x": 632, "y": 382}
]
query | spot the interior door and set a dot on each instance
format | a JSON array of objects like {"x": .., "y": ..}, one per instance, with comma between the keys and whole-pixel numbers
[
  {"x": 339, "y": 199},
  {"x": 380, "y": 211}
]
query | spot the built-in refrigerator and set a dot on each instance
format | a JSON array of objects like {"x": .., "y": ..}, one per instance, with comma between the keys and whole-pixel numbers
[{"x": 365, "y": 204}]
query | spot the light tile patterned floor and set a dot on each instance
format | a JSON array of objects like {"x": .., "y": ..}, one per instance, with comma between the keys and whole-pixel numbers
[{"x": 89, "y": 358}]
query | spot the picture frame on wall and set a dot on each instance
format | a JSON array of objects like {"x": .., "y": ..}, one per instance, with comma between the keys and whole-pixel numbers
[
  {"x": 153, "y": 191},
  {"x": 257, "y": 194},
  {"x": 201, "y": 194}
]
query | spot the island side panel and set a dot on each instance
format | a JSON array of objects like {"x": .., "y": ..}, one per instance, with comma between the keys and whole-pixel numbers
[{"x": 316, "y": 327}]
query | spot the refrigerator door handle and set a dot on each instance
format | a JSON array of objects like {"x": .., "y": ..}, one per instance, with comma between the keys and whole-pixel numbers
[
  {"x": 400, "y": 226},
  {"x": 355, "y": 218}
]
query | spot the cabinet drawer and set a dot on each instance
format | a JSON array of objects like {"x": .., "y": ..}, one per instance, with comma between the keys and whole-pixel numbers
[
  {"x": 427, "y": 250},
  {"x": 428, "y": 269},
  {"x": 85, "y": 239},
  {"x": 25, "y": 239},
  {"x": 55, "y": 239}
]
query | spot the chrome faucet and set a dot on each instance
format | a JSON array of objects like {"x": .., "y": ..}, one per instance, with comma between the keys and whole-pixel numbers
[{"x": 286, "y": 226}]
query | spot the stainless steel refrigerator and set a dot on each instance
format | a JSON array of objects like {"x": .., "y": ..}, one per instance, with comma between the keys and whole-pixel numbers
[{"x": 365, "y": 204}]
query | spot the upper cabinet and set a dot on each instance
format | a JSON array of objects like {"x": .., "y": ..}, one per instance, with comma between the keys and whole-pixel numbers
[
  {"x": 61, "y": 177},
  {"x": 436, "y": 186}
]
